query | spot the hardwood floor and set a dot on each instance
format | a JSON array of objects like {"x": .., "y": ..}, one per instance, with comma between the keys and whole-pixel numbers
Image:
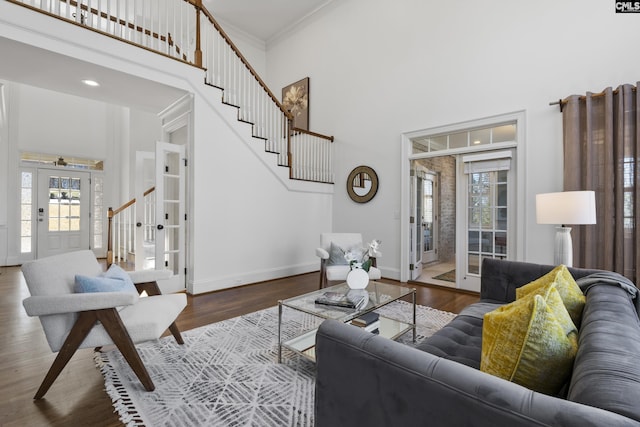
[{"x": 77, "y": 398}]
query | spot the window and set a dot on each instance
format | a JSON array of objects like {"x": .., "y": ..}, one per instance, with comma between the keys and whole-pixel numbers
[
  {"x": 497, "y": 134},
  {"x": 26, "y": 211},
  {"x": 64, "y": 203},
  {"x": 487, "y": 209},
  {"x": 98, "y": 211}
]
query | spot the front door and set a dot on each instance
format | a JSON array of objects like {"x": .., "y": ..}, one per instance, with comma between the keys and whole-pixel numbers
[{"x": 63, "y": 211}]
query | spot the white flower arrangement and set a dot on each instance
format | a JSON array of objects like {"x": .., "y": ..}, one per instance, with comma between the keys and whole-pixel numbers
[{"x": 362, "y": 258}]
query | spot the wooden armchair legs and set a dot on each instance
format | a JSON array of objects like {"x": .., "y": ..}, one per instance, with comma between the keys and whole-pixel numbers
[
  {"x": 115, "y": 328},
  {"x": 323, "y": 274},
  {"x": 151, "y": 288}
]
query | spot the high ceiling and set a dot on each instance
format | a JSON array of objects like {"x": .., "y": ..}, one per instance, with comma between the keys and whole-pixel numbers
[{"x": 263, "y": 19}]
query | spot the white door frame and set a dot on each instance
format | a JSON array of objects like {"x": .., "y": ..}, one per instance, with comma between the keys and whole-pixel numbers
[{"x": 407, "y": 156}]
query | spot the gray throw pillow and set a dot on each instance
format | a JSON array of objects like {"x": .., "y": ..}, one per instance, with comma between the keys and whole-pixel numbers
[{"x": 336, "y": 255}]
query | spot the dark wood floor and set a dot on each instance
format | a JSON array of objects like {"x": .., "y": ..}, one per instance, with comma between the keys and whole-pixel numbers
[{"x": 77, "y": 397}]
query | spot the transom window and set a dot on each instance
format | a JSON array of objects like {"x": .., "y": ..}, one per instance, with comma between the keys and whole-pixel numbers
[{"x": 498, "y": 134}]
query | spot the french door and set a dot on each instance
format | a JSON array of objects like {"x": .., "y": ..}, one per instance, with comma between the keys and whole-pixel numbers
[
  {"x": 63, "y": 211},
  {"x": 430, "y": 218},
  {"x": 170, "y": 213},
  {"x": 423, "y": 220},
  {"x": 486, "y": 202}
]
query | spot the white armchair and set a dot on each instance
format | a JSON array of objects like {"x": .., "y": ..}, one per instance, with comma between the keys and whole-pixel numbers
[
  {"x": 94, "y": 319},
  {"x": 333, "y": 265}
]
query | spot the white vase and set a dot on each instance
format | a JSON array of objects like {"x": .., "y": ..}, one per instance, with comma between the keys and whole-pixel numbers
[{"x": 357, "y": 278}]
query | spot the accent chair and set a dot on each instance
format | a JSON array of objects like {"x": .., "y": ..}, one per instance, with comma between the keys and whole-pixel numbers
[
  {"x": 73, "y": 318},
  {"x": 333, "y": 265}
]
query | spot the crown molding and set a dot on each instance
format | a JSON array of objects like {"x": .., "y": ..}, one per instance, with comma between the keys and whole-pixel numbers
[
  {"x": 237, "y": 34},
  {"x": 297, "y": 24}
]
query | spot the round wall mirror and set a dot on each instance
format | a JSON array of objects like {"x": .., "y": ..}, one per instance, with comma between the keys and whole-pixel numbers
[{"x": 362, "y": 184}]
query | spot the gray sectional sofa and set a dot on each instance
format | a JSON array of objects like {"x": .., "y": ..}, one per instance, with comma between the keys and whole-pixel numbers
[{"x": 367, "y": 380}]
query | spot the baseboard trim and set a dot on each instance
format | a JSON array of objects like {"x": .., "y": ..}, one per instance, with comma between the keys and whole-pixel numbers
[{"x": 249, "y": 278}]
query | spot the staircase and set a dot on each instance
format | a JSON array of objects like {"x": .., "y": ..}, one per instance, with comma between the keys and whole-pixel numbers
[{"x": 185, "y": 31}]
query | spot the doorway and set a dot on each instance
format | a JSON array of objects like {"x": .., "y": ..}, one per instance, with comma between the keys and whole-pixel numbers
[
  {"x": 433, "y": 231},
  {"x": 491, "y": 200},
  {"x": 63, "y": 211}
]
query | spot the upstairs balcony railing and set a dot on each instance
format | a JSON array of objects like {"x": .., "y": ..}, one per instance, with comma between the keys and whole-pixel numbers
[{"x": 185, "y": 30}]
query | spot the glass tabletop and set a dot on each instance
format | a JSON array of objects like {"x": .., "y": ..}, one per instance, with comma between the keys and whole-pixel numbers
[{"x": 377, "y": 295}]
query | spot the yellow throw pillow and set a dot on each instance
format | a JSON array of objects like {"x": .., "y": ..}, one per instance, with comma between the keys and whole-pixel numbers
[
  {"x": 531, "y": 342},
  {"x": 569, "y": 290}
]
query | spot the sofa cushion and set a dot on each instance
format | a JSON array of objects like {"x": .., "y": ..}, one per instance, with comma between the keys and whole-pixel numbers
[
  {"x": 606, "y": 371},
  {"x": 531, "y": 341},
  {"x": 461, "y": 339},
  {"x": 567, "y": 287}
]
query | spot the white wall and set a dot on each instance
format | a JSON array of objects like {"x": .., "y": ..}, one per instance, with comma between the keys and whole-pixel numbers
[
  {"x": 145, "y": 129},
  {"x": 381, "y": 68},
  {"x": 55, "y": 123},
  {"x": 248, "y": 226}
]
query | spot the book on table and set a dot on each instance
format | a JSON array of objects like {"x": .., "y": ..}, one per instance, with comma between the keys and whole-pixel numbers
[
  {"x": 366, "y": 319},
  {"x": 339, "y": 299},
  {"x": 373, "y": 327}
]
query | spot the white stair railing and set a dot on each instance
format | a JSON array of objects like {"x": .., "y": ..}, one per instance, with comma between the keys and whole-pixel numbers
[{"x": 122, "y": 227}]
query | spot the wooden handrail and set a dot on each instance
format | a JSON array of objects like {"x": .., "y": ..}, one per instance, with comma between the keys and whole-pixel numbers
[
  {"x": 198, "y": 5},
  {"x": 113, "y": 212},
  {"x": 295, "y": 130}
]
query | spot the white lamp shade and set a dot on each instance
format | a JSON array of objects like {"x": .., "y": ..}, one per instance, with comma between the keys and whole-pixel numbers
[{"x": 567, "y": 207}]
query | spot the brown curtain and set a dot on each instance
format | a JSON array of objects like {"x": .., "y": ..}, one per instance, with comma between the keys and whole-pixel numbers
[{"x": 601, "y": 149}]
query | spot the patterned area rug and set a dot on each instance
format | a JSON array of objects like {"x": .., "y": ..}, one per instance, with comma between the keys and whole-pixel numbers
[{"x": 226, "y": 373}]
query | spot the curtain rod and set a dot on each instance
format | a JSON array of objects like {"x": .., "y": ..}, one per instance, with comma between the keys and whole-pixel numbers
[{"x": 562, "y": 102}]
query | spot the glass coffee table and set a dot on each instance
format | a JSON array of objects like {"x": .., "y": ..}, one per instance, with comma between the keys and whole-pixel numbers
[{"x": 379, "y": 295}]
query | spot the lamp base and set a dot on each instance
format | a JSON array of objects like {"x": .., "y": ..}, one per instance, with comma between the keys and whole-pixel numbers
[{"x": 563, "y": 251}]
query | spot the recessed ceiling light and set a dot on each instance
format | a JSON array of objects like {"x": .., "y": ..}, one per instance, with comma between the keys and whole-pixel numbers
[{"x": 92, "y": 83}]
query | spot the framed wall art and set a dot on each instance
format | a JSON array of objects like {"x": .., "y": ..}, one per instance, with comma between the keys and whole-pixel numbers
[{"x": 295, "y": 99}]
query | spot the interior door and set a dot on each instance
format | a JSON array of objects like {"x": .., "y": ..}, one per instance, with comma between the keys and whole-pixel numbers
[
  {"x": 170, "y": 214},
  {"x": 63, "y": 211},
  {"x": 487, "y": 205},
  {"x": 430, "y": 218},
  {"x": 415, "y": 225}
]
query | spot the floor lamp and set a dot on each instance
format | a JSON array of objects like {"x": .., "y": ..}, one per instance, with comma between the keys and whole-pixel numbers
[{"x": 568, "y": 207}]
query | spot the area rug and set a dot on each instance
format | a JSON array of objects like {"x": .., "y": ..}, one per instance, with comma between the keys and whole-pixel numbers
[
  {"x": 226, "y": 373},
  {"x": 449, "y": 276}
]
